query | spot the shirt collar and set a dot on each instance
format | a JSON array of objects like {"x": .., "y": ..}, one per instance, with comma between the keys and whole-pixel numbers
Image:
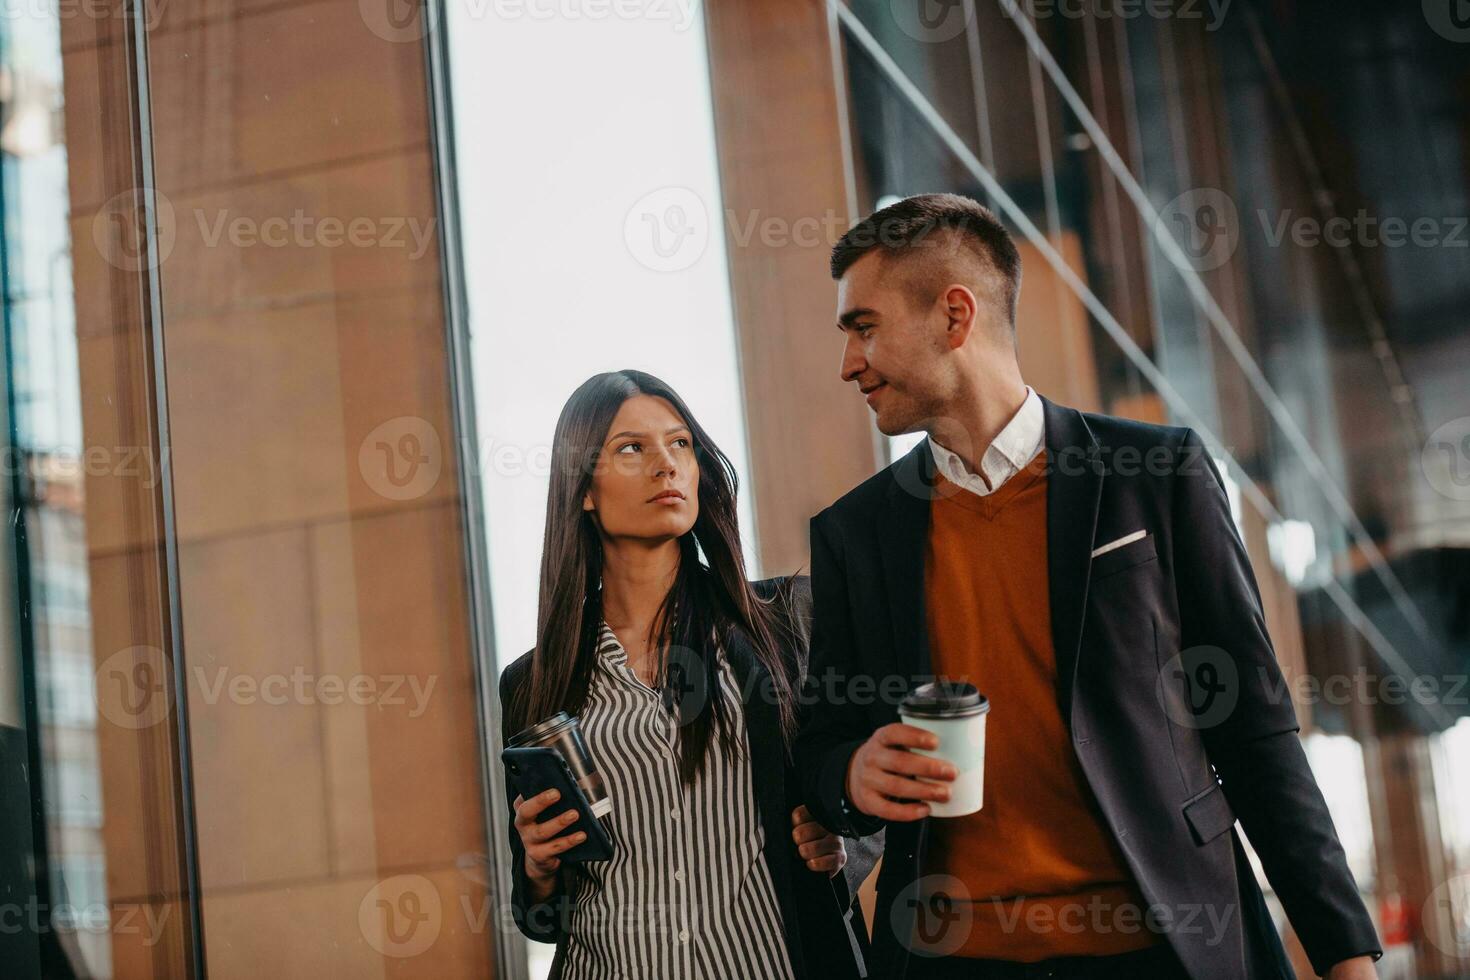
[
  {"x": 1014, "y": 446},
  {"x": 609, "y": 648}
]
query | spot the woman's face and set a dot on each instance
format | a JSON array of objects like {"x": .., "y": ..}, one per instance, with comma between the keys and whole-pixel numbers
[{"x": 646, "y": 484}]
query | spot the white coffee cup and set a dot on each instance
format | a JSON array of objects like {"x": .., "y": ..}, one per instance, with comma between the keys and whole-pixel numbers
[{"x": 955, "y": 713}]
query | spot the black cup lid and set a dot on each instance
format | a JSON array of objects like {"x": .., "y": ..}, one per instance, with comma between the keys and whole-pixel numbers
[{"x": 945, "y": 699}]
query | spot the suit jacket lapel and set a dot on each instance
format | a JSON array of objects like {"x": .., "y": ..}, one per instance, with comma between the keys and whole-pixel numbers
[
  {"x": 902, "y": 539},
  {"x": 1073, "y": 490}
]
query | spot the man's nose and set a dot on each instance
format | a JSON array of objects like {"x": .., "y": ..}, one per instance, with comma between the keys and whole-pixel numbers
[{"x": 853, "y": 362}]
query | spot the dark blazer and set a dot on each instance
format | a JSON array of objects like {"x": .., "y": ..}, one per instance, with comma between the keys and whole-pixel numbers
[
  {"x": 1171, "y": 776},
  {"x": 825, "y": 934}
]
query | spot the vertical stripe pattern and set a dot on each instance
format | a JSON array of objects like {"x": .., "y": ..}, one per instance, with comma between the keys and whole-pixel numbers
[{"x": 687, "y": 893}]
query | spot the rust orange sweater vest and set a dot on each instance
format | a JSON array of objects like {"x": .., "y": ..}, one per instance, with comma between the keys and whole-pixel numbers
[{"x": 1043, "y": 872}]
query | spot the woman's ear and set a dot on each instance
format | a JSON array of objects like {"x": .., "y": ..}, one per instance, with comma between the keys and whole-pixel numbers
[{"x": 587, "y": 502}]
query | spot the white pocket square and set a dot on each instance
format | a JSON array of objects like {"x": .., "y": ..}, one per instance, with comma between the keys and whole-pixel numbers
[{"x": 1114, "y": 545}]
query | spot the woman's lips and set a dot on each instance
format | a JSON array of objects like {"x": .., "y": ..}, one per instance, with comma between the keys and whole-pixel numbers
[{"x": 668, "y": 499}]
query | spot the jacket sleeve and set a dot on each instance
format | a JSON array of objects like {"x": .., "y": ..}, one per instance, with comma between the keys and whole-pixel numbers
[
  {"x": 831, "y": 919},
  {"x": 833, "y": 725},
  {"x": 1251, "y": 738},
  {"x": 541, "y": 921}
]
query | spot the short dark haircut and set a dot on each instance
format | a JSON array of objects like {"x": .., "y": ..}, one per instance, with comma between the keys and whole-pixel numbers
[{"x": 929, "y": 220}]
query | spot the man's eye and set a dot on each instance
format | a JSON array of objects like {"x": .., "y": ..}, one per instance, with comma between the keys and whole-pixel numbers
[{"x": 864, "y": 327}]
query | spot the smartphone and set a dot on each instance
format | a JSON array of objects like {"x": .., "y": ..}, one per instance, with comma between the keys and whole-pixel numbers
[{"x": 536, "y": 769}]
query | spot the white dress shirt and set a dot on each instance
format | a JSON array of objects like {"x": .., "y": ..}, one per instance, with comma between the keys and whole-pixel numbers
[{"x": 1015, "y": 445}]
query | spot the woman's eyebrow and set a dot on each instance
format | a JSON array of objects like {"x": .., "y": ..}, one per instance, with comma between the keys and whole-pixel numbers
[{"x": 644, "y": 435}]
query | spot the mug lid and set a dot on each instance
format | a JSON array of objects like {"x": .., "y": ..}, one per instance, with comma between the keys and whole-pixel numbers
[
  {"x": 540, "y": 730},
  {"x": 945, "y": 699}
]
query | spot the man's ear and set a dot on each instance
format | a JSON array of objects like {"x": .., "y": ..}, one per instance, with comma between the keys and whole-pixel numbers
[{"x": 961, "y": 308}]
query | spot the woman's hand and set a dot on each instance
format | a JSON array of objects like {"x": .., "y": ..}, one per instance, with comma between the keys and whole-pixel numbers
[
  {"x": 542, "y": 862},
  {"x": 821, "y": 851}
]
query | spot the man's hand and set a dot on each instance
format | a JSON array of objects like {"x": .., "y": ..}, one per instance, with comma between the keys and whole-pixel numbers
[
  {"x": 1357, "y": 968},
  {"x": 822, "y": 851},
  {"x": 882, "y": 770}
]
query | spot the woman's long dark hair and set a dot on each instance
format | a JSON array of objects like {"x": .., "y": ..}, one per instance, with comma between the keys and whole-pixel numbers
[{"x": 706, "y": 602}]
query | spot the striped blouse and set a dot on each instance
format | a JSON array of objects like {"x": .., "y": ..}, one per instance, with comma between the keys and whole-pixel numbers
[{"x": 687, "y": 893}]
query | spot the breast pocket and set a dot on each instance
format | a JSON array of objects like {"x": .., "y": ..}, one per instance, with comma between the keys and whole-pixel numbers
[{"x": 1120, "y": 559}]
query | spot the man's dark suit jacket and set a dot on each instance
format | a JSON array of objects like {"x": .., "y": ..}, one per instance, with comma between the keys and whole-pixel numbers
[
  {"x": 1172, "y": 770},
  {"x": 825, "y": 933}
]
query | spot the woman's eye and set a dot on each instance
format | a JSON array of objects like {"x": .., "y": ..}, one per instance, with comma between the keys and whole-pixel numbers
[
  {"x": 682, "y": 442},
  {"x": 631, "y": 445}
]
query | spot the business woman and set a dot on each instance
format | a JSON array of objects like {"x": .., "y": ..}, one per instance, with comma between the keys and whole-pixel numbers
[{"x": 683, "y": 675}]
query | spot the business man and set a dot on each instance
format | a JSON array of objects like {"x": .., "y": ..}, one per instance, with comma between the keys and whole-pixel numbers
[{"x": 1084, "y": 573}]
